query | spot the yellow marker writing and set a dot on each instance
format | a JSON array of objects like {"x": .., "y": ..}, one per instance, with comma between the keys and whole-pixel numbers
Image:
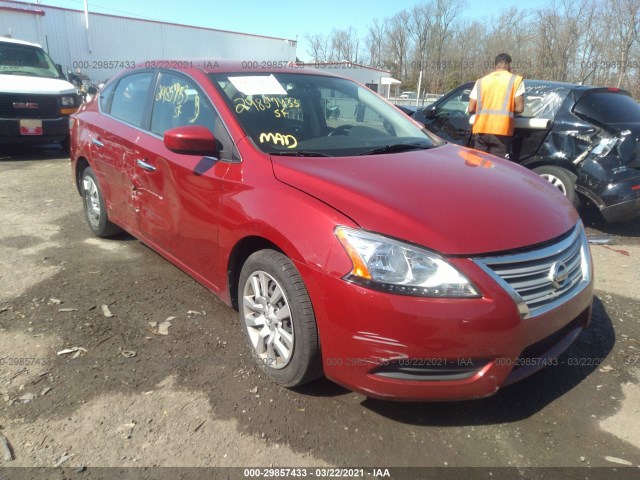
[{"x": 288, "y": 141}]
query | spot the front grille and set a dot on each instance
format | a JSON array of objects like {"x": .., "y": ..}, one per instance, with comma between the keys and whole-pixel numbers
[
  {"x": 544, "y": 278},
  {"x": 47, "y": 106}
]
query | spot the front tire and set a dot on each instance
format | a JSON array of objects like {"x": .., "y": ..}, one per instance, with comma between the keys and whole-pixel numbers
[
  {"x": 94, "y": 208},
  {"x": 278, "y": 319},
  {"x": 562, "y": 179}
]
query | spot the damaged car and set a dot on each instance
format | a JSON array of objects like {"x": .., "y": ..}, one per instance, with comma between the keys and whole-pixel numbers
[
  {"x": 585, "y": 140},
  {"x": 351, "y": 246}
]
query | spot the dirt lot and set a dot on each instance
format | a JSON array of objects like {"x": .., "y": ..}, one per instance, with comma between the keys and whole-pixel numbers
[{"x": 133, "y": 397}]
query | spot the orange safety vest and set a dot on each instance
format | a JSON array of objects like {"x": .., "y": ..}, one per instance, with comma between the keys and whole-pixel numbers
[{"x": 496, "y": 100}]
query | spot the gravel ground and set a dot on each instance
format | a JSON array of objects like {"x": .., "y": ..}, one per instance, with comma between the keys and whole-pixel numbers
[{"x": 128, "y": 396}]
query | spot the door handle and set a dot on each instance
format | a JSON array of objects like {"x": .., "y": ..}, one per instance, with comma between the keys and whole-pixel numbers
[
  {"x": 145, "y": 166},
  {"x": 97, "y": 142}
]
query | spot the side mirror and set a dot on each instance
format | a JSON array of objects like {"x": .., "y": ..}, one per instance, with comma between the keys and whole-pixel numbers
[
  {"x": 191, "y": 140},
  {"x": 61, "y": 71},
  {"x": 430, "y": 111}
]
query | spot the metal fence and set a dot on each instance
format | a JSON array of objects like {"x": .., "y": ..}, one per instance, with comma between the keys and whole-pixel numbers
[{"x": 421, "y": 102}]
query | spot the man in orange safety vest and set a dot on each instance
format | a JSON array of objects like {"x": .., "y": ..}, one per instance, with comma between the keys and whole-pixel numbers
[{"x": 495, "y": 99}]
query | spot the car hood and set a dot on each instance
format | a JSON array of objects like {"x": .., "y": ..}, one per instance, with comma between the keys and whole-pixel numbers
[
  {"x": 450, "y": 199},
  {"x": 35, "y": 85}
]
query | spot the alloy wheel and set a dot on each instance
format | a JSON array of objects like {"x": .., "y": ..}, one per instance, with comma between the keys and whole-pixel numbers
[
  {"x": 92, "y": 201},
  {"x": 268, "y": 319},
  {"x": 555, "y": 181}
]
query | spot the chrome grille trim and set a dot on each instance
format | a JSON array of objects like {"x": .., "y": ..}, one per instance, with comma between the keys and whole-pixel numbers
[{"x": 528, "y": 277}]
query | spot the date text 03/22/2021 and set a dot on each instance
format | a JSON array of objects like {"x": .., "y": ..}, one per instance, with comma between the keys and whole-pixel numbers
[{"x": 316, "y": 472}]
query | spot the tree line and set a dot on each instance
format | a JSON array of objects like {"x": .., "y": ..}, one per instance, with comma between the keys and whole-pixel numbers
[{"x": 592, "y": 41}]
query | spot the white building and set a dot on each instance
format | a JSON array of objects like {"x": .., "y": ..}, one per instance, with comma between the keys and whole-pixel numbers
[
  {"x": 100, "y": 45},
  {"x": 376, "y": 79}
]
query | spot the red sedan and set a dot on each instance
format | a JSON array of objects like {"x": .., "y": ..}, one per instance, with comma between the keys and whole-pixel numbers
[{"x": 352, "y": 242}]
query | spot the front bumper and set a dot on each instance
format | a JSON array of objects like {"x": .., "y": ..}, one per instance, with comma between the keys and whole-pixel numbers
[
  {"x": 53, "y": 130},
  {"x": 408, "y": 348}
]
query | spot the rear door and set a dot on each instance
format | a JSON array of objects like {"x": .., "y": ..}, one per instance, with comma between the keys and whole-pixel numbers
[
  {"x": 542, "y": 102},
  {"x": 113, "y": 145}
]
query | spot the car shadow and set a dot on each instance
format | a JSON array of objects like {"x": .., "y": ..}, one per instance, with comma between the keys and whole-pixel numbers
[
  {"x": 18, "y": 153},
  {"x": 323, "y": 387},
  {"x": 592, "y": 219},
  {"x": 520, "y": 400}
]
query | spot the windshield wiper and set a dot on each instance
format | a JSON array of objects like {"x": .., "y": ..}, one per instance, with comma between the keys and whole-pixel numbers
[
  {"x": 300, "y": 153},
  {"x": 398, "y": 147}
]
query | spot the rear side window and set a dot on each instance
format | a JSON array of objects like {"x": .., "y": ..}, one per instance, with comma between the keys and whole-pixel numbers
[
  {"x": 543, "y": 100},
  {"x": 129, "y": 98},
  {"x": 105, "y": 97},
  {"x": 608, "y": 108}
]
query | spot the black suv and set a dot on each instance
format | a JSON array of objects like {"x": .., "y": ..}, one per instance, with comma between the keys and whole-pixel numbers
[{"x": 583, "y": 139}]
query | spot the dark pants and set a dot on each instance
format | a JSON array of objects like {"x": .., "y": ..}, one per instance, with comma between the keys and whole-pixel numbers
[{"x": 498, "y": 145}]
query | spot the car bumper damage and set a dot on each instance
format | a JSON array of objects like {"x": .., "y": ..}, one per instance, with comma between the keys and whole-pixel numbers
[
  {"x": 612, "y": 185},
  {"x": 607, "y": 168},
  {"x": 408, "y": 348}
]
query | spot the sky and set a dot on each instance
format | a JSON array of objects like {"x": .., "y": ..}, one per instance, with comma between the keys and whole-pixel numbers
[{"x": 289, "y": 19}]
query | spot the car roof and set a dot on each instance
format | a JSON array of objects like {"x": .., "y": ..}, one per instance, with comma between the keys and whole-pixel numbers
[
  {"x": 576, "y": 88},
  {"x": 18, "y": 42},
  {"x": 555, "y": 84},
  {"x": 216, "y": 65}
]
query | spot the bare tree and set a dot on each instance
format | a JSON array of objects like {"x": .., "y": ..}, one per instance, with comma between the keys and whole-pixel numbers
[
  {"x": 444, "y": 12},
  {"x": 345, "y": 44},
  {"x": 568, "y": 40},
  {"x": 318, "y": 47},
  {"x": 626, "y": 14},
  {"x": 399, "y": 44},
  {"x": 375, "y": 43},
  {"x": 419, "y": 29}
]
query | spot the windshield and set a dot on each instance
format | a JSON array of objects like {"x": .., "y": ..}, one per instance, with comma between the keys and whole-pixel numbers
[
  {"x": 300, "y": 114},
  {"x": 19, "y": 59}
]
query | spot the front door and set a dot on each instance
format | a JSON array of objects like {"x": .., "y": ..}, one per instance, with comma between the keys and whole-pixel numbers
[{"x": 178, "y": 193}]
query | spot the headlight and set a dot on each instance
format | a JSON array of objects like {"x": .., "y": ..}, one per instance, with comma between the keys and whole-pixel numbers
[
  {"x": 391, "y": 266},
  {"x": 68, "y": 101}
]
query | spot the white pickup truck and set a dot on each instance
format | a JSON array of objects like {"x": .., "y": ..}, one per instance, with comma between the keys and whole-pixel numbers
[{"x": 35, "y": 98}]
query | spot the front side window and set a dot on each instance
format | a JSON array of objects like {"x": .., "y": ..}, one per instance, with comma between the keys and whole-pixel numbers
[
  {"x": 179, "y": 102},
  {"x": 128, "y": 103},
  {"x": 456, "y": 105},
  {"x": 301, "y": 114}
]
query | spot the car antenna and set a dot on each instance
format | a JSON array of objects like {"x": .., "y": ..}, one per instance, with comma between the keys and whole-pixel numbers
[{"x": 585, "y": 78}]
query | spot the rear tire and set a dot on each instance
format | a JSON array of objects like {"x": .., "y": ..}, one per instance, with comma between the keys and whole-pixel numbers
[
  {"x": 278, "y": 320},
  {"x": 94, "y": 208},
  {"x": 562, "y": 179}
]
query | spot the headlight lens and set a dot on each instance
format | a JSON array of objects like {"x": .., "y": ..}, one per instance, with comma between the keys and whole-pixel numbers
[
  {"x": 388, "y": 265},
  {"x": 68, "y": 101}
]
